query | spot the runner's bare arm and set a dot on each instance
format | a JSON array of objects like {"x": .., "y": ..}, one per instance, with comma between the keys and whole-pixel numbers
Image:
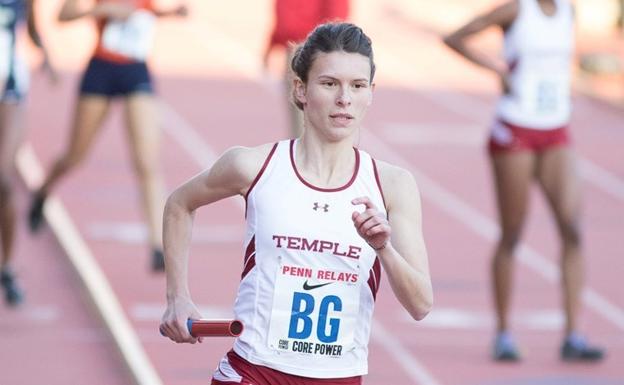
[
  {"x": 73, "y": 9},
  {"x": 231, "y": 174},
  {"x": 180, "y": 10},
  {"x": 400, "y": 241},
  {"x": 33, "y": 33},
  {"x": 501, "y": 16}
]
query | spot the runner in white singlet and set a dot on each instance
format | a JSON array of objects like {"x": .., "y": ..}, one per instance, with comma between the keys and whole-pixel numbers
[
  {"x": 322, "y": 219},
  {"x": 538, "y": 49},
  {"x": 529, "y": 141}
]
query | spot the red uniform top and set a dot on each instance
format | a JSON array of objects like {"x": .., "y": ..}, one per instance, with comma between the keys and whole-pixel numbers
[
  {"x": 294, "y": 19},
  {"x": 101, "y": 52}
]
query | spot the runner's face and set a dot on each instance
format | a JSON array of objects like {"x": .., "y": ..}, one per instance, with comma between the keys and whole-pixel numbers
[{"x": 337, "y": 94}]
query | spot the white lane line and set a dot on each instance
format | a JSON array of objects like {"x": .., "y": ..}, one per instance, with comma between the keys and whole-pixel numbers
[
  {"x": 458, "y": 103},
  {"x": 482, "y": 320},
  {"x": 488, "y": 229},
  {"x": 598, "y": 176},
  {"x": 434, "y": 134},
  {"x": 145, "y": 311},
  {"x": 413, "y": 367},
  {"x": 91, "y": 275},
  {"x": 465, "y": 107},
  {"x": 187, "y": 137},
  {"x": 136, "y": 233},
  {"x": 190, "y": 139},
  {"x": 183, "y": 133},
  {"x": 602, "y": 178},
  {"x": 34, "y": 313}
]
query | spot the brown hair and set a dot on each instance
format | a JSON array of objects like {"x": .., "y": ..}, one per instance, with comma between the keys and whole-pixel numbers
[{"x": 330, "y": 37}]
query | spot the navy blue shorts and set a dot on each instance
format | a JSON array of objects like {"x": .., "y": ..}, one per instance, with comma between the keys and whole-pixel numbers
[
  {"x": 10, "y": 92},
  {"x": 108, "y": 78}
]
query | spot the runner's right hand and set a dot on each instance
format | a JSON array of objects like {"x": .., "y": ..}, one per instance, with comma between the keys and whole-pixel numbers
[{"x": 173, "y": 323}]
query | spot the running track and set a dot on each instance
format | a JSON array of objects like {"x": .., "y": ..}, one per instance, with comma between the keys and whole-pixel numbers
[{"x": 430, "y": 116}]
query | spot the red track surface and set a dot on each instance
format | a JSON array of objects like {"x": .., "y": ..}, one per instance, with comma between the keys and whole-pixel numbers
[{"x": 430, "y": 115}]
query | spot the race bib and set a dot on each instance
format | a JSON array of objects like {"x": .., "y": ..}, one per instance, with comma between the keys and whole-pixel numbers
[
  {"x": 545, "y": 95},
  {"x": 314, "y": 311},
  {"x": 132, "y": 37}
]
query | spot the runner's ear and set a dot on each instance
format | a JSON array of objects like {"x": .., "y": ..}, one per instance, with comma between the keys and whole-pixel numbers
[
  {"x": 370, "y": 97},
  {"x": 299, "y": 91}
]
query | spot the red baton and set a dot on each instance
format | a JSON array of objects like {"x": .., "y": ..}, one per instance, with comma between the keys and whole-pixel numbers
[{"x": 213, "y": 328}]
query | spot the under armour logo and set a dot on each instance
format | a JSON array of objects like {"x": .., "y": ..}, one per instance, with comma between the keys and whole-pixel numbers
[{"x": 316, "y": 206}]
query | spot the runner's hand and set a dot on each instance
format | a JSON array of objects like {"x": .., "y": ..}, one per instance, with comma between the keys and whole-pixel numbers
[
  {"x": 173, "y": 323},
  {"x": 371, "y": 224}
]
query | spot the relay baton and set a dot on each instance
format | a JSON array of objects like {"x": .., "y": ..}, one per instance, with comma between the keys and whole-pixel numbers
[{"x": 213, "y": 328}]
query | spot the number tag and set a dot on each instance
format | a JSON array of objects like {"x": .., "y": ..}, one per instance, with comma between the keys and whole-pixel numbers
[
  {"x": 132, "y": 37},
  {"x": 545, "y": 92},
  {"x": 314, "y": 311}
]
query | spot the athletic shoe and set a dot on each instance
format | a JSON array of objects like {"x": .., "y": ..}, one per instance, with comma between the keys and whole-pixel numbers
[
  {"x": 13, "y": 295},
  {"x": 158, "y": 260},
  {"x": 575, "y": 348},
  {"x": 505, "y": 349},
  {"x": 35, "y": 214}
]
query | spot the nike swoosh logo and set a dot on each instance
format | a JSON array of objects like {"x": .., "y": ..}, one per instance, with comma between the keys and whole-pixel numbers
[{"x": 310, "y": 287}]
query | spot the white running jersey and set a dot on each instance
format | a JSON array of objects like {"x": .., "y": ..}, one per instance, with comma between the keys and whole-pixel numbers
[
  {"x": 538, "y": 49},
  {"x": 132, "y": 37},
  {"x": 308, "y": 287}
]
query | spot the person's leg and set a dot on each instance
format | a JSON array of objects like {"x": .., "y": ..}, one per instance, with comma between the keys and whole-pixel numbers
[
  {"x": 88, "y": 117},
  {"x": 513, "y": 173},
  {"x": 558, "y": 176},
  {"x": 11, "y": 135},
  {"x": 144, "y": 134}
]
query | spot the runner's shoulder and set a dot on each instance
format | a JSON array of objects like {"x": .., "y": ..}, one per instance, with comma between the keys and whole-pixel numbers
[
  {"x": 246, "y": 161},
  {"x": 397, "y": 183},
  {"x": 390, "y": 173}
]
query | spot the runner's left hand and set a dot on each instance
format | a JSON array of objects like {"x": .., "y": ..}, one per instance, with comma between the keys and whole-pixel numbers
[{"x": 371, "y": 224}]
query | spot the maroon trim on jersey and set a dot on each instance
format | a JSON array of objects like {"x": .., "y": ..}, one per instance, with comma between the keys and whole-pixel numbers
[
  {"x": 250, "y": 257},
  {"x": 374, "y": 278},
  {"x": 251, "y": 248},
  {"x": 379, "y": 182},
  {"x": 355, "y": 171},
  {"x": 257, "y": 178},
  {"x": 530, "y": 129},
  {"x": 248, "y": 266}
]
